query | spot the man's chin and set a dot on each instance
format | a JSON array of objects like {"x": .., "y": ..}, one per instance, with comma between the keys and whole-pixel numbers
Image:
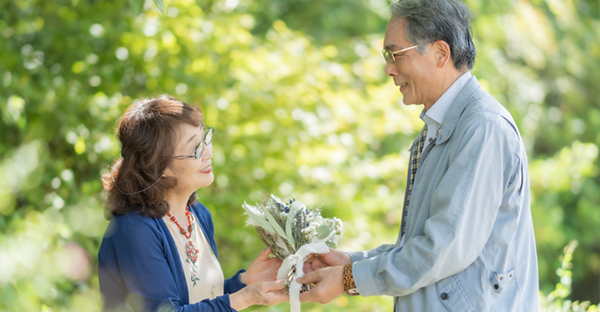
[{"x": 407, "y": 101}]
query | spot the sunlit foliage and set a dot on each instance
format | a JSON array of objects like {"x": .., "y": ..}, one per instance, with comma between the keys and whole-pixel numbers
[{"x": 296, "y": 92}]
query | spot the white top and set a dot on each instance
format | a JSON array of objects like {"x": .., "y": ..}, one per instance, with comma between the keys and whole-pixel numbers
[
  {"x": 436, "y": 113},
  {"x": 210, "y": 281}
]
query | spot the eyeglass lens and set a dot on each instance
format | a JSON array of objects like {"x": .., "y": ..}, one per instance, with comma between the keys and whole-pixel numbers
[
  {"x": 207, "y": 140},
  {"x": 388, "y": 56}
]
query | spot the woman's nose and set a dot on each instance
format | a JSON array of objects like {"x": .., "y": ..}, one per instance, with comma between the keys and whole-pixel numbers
[{"x": 208, "y": 152}]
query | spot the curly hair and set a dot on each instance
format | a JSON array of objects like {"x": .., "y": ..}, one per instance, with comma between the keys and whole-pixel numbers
[{"x": 148, "y": 133}]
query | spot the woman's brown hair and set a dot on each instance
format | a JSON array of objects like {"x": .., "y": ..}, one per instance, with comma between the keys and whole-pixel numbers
[{"x": 148, "y": 133}]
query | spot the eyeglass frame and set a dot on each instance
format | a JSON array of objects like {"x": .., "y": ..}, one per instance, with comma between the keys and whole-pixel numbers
[
  {"x": 201, "y": 145},
  {"x": 392, "y": 54}
]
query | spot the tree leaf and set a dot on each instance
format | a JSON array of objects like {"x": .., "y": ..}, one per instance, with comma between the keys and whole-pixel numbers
[
  {"x": 160, "y": 4},
  {"x": 136, "y": 6}
]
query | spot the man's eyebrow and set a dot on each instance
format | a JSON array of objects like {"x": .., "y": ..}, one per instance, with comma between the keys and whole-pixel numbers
[{"x": 390, "y": 47}]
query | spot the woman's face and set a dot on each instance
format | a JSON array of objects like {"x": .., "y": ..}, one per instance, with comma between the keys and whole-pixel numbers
[{"x": 191, "y": 173}]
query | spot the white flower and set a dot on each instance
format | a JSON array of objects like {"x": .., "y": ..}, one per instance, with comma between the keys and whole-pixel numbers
[{"x": 297, "y": 205}]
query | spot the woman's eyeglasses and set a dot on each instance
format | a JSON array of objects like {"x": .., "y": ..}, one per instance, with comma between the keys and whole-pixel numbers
[{"x": 199, "y": 150}]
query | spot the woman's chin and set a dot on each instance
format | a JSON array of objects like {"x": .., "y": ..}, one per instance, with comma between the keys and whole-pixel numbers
[{"x": 207, "y": 179}]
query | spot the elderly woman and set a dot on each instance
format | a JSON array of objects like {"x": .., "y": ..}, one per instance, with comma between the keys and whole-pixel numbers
[{"x": 159, "y": 250}]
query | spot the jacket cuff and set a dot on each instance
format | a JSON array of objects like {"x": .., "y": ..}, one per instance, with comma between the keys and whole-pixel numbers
[
  {"x": 356, "y": 256},
  {"x": 364, "y": 279}
]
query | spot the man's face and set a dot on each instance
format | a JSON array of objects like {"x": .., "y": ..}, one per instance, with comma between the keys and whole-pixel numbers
[{"x": 412, "y": 72}]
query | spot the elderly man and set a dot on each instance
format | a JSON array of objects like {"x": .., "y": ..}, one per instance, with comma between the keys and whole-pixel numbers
[{"x": 466, "y": 241}]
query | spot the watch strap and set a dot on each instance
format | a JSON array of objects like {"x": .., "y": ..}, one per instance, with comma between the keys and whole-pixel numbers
[{"x": 348, "y": 280}]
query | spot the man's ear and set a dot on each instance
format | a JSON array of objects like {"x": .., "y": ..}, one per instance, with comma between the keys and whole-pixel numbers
[{"x": 442, "y": 53}]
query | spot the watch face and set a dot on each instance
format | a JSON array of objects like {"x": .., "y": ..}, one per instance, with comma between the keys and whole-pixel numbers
[{"x": 353, "y": 292}]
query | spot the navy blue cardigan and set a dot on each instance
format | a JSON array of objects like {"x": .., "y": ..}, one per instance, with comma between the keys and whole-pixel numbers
[{"x": 139, "y": 266}]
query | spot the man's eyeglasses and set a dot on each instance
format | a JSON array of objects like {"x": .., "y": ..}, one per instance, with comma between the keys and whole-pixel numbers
[
  {"x": 208, "y": 134},
  {"x": 390, "y": 56}
]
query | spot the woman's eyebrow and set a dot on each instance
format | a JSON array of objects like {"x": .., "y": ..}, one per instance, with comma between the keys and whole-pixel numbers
[{"x": 190, "y": 139}]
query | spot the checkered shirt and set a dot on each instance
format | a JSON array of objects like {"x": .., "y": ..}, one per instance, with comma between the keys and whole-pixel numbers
[{"x": 415, "y": 158}]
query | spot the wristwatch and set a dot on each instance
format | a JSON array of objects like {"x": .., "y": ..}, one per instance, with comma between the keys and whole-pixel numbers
[{"x": 348, "y": 281}]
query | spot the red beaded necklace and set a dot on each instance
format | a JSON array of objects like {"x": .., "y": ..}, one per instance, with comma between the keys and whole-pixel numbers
[{"x": 191, "y": 251}]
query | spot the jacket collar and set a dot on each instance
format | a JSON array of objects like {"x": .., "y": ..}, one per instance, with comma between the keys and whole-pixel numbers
[{"x": 458, "y": 106}]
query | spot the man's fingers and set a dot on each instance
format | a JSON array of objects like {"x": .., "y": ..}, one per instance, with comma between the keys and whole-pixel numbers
[
  {"x": 312, "y": 265},
  {"x": 310, "y": 278},
  {"x": 309, "y": 296}
]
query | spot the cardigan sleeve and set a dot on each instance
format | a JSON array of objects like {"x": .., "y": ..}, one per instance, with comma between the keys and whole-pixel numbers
[
  {"x": 136, "y": 271},
  {"x": 234, "y": 284}
]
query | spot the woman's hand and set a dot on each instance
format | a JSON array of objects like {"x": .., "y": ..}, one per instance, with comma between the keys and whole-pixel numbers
[
  {"x": 264, "y": 293},
  {"x": 332, "y": 258},
  {"x": 262, "y": 269}
]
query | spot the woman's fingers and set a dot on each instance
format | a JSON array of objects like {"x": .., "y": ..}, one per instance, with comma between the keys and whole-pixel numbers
[
  {"x": 272, "y": 292},
  {"x": 264, "y": 254},
  {"x": 273, "y": 286}
]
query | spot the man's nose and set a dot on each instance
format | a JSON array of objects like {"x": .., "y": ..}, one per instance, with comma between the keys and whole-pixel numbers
[{"x": 390, "y": 69}]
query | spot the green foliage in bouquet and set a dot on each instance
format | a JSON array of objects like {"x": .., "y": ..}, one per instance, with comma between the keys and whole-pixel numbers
[{"x": 287, "y": 226}]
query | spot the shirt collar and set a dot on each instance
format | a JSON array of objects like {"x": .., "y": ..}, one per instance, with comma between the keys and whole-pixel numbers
[{"x": 437, "y": 111}]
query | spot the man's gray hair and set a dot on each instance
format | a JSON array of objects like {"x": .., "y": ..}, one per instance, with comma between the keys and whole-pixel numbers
[{"x": 428, "y": 21}]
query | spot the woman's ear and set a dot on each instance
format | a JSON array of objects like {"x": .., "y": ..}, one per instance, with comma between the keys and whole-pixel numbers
[
  {"x": 168, "y": 172},
  {"x": 442, "y": 53}
]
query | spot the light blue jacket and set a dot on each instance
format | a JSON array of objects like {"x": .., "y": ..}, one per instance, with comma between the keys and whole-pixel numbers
[{"x": 469, "y": 242}]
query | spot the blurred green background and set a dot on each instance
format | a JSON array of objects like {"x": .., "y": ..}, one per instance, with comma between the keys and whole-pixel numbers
[{"x": 297, "y": 94}]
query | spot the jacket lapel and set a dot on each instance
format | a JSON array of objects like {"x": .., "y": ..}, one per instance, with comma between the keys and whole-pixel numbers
[{"x": 456, "y": 109}]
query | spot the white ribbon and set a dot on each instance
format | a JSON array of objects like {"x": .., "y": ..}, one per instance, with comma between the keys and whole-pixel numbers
[{"x": 297, "y": 260}]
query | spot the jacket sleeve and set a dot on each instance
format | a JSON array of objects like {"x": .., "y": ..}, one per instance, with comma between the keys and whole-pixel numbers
[
  {"x": 135, "y": 274},
  {"x": 464, "y": 206},
  {"x": 361, "y": 255}
]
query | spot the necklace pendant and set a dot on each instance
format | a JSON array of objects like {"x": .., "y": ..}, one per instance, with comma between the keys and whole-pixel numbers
[{"x": 191, "y": 251}]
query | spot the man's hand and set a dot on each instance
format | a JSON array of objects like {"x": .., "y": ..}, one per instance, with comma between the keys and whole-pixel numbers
[
  {"x": 262, "y": 269},
  {"x": 328, "y": 285},
  {"x": 332, "y": 258}
]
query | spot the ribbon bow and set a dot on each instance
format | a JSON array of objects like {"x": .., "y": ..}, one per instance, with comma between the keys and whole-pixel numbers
[{"x": 296, "y": 261}]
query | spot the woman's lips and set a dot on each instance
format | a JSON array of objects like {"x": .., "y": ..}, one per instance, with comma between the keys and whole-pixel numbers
[{"x": 206, "y": 170}]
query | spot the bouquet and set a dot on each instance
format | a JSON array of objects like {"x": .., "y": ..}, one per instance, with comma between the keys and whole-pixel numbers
[{"x": 293, "y": 231}]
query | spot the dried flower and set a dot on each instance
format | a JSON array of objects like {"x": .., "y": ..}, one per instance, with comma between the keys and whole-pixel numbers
[{"x": 287, "y": 226}]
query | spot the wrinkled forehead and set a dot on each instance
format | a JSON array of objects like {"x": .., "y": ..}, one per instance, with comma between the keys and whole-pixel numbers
[{"x": 395, "y": 35}]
